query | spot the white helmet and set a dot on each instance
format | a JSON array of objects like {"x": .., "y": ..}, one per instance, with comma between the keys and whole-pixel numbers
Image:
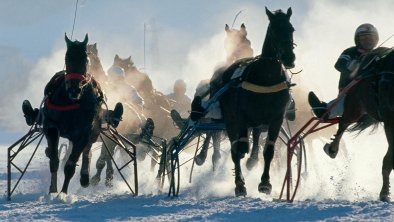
[
  {"x": 366, "y": 29},
  {"x": 116, "y": 71}
]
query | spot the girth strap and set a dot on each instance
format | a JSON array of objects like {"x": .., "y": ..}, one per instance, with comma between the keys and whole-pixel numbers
[{"x": 264, "y": 89}]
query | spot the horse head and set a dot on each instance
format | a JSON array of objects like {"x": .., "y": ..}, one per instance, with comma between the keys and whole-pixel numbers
[
  {"x": 76, "y": 67},
  {"x": 280, "y": 36},
  {"x": 237, "y": 45},
  {"x": 91, "y": 50},
  {"x": 127, "y": 64}
]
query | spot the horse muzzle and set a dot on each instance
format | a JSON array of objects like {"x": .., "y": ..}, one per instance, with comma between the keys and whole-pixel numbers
[
  {"x": 74, "y": 94},
  {"x": 288, "y": 60}
]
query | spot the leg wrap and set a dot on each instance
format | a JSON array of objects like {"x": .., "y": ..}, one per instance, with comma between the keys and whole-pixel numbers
[{"x": 241, "y": 145}]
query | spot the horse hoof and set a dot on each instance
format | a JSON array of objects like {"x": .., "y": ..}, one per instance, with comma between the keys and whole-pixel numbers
[
  {"x": 385, "y": 199},
  {"x": 329, "y": 152},
  {"x": 265, "y": 188},
  {"x": 84, "y": 181},
  {"x": 240, "y": 191},
  {"x": 52, "y": 190},
  {"x": 200, "y": 159},
  {"x": 251, "y": 163},
  {"x": 109, "y": 183},
  {"x": 95, "y": 180}
]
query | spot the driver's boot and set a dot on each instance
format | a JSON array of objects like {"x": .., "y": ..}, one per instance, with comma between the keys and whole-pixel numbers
[{"x": 29, "y": 113}]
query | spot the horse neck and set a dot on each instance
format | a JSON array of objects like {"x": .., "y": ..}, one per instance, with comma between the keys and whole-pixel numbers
[
  {"x": 96, "y": 63},
  {"x": 96, "y": 68},
  {"x": 267, "y": 70},
  {"x": 268, "y": 49}
]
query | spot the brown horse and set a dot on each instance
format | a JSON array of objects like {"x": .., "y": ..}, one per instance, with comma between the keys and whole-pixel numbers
[
  {"x": 236, "y": 44},
  {"x": 259, "y": 97},
  {"x": 369, "y": 100},
  {"x": 156, "y": 105},
  {"x": 95, "y": 67},
  {"x": 141, "y": 101}
]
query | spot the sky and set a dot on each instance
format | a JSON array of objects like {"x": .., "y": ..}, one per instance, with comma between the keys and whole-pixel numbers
[{"x": 183, "y": 39}]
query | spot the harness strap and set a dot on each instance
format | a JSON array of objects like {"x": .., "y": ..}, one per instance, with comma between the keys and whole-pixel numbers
[
  {"x": 78, "y": 76},
  {"x": 264, "y": 89}
]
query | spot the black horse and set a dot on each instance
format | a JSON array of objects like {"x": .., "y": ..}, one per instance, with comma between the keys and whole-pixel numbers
[
  {"x": 374, "y": 84},
  {"x": 259, "y": 97},
  {"x": 72, "y": 110},
  {"x": 237, "y": 46}
]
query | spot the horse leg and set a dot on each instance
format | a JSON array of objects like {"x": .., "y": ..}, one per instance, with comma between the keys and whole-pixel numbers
[
  {"x": 100, "y": 164},
  {"x": 202, "y": 156},
  {"x": 268, "y": 153},
  {"x": 331, "y": 149},
  {"x": 216, "y": 149},
  {"x": 239, "y": 147},
  {"x": 52, "y": 136},
  {"x": 109, "y": 173},
  {"x": 155, "y": 155},
  {"x": 388, "y": 164},
  {"x": 69, "y": 168},
  {"x": 85, "y": 169},
  {"x": 68, "y": 149},
  {"x": 254, "y": 156}
]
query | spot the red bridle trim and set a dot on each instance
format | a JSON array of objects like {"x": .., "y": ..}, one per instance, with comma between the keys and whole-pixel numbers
[
  {"x": 61, "y": 108},
  {"x": 79, "y": 76}
]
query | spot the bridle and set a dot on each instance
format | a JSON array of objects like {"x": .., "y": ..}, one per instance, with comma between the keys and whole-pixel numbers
[
  {"x": 84, "y": 79},
  {"x": 279, "y": 46}
]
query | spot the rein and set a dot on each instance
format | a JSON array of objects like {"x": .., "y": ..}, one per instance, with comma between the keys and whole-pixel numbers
[{"x": 85, "y": 80}]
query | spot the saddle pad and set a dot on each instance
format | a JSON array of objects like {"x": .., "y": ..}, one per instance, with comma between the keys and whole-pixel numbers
[{"x": 238, "y": 72}]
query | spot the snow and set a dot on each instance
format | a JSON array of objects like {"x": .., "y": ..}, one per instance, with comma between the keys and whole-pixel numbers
[{"x": 340, "y": 191}]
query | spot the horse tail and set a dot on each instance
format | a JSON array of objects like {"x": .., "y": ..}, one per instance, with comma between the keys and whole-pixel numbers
[{"x": 363, "y": 123}]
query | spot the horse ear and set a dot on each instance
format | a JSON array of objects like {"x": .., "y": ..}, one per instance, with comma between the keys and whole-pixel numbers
[
  {"x": 116, "y": 57},
  {"x": 226, "y": 28},
  {"x": 243, "y": 29},
  {"x": 289, "y": 12},
  {"x": 129, "y": 58},
  {"x": 269, "y": 13},
  {"x": 95, "y": 45},
  {"x": 68, "y": 41},
  {"x": 85, "y": 41}
]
